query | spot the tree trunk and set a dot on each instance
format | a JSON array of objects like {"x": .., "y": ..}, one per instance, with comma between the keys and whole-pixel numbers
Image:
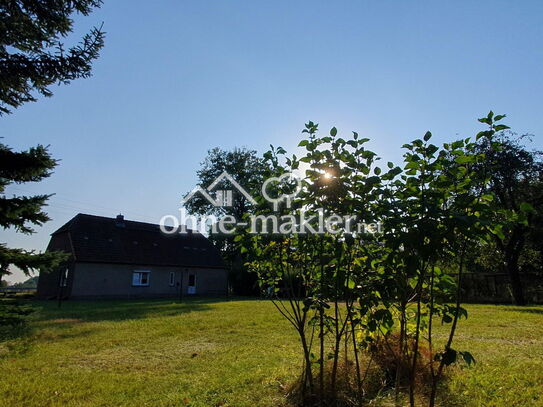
[
  {"x": 511, "y": 252},
  {"x": 307, "y": 361},
  {"x": 516, "y": 283}
]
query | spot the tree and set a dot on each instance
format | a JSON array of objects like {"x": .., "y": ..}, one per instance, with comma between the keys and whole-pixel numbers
[
  {"x": 18, "y": 212},
  {"x": 346, "y": 290},
  {"x": 250, "y": 172},
  {"x": 516, "y": 177},
  {"x": 243, "y": 165},
  {"x": 32, "y": 55},
  {"x": 32, "y": 58}
]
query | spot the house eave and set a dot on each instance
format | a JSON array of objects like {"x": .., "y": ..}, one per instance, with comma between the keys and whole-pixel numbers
[{"x": 150, "y": 264}]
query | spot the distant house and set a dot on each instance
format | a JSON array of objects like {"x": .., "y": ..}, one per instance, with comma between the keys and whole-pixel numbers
[{"x": 116, "y": 258}]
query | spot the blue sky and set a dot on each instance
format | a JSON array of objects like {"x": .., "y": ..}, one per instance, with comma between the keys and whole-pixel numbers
[{"x": 177, "y": 78}]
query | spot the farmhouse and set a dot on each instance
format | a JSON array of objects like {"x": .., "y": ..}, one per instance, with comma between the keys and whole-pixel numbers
[{"x": 117, "y": 258}]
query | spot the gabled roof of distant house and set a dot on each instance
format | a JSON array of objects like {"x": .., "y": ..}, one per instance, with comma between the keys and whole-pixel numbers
[{"x": 97, "y": 239}]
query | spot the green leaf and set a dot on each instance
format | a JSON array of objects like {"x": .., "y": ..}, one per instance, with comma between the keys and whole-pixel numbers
[
  {"x": 303, "y": 143},
  {"x": 485, "y": 133},
  {"x": 468, "y": 358},
  {"x": 427, "y": 136},
  {"x": 487, "y": 198},
  {"x": 412, "y": 166},
  {"x": 462, "y": 312},
  {"x": 498, "y": 231},
  {"x": 463, "y": 159},
  {"x": 526, "y": 207},
  {"x": 377, "y": 170},
  {"x": 449, "y": 357},
  {"x": 432, "y": 149},
  {"x": 333, "y": 132}
]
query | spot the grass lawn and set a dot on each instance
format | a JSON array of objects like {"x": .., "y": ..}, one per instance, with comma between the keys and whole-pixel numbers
[{"x": 229, "y": 353}]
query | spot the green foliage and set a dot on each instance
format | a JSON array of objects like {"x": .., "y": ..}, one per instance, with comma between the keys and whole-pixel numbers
[
  {"x": 243, "y": 165},
  {"x": 32, "y": 165},
  {"x": 515, "y": 184},
  {"x": 32, "y": 54},
  {"x": 431, "y": 211},
  {"x": 19, "y": 212},
  {"x": 13, "y": 314}
]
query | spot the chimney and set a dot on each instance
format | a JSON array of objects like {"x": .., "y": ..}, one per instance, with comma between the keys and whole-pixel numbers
[{"x": 119, "y": 221}]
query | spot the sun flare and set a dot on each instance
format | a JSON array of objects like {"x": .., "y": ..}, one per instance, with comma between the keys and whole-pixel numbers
[{"x": 327, "y": 175}]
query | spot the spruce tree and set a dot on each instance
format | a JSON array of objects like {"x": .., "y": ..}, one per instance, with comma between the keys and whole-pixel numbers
[
  {"x": 32, "y": 54},
  {"x": 33, "y": 57},
  {"x": 21, "y": 212}
]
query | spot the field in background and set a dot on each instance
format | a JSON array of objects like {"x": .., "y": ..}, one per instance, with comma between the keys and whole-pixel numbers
[{"x": 238, "y": 353}]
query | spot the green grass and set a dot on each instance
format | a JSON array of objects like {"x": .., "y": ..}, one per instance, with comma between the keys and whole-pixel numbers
[{"x": 229, "y": 353}]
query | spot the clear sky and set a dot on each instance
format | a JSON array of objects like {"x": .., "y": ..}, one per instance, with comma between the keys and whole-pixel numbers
[{"x": 177, "y": 78}]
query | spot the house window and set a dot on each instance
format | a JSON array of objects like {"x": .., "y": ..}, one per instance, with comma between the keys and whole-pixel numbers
[
  {"x": 172, "y": 278},
  {"x": 140, "y": 278}
]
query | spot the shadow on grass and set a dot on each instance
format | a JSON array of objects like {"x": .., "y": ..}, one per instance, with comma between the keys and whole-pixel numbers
[
  {"x": 16, "y": 331},
  {"x": 529, "y": 309},
  {"x": 47, "y": 314},
  {"x": 120, "y": 310},
  {"x": 48, "y": 322}
]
